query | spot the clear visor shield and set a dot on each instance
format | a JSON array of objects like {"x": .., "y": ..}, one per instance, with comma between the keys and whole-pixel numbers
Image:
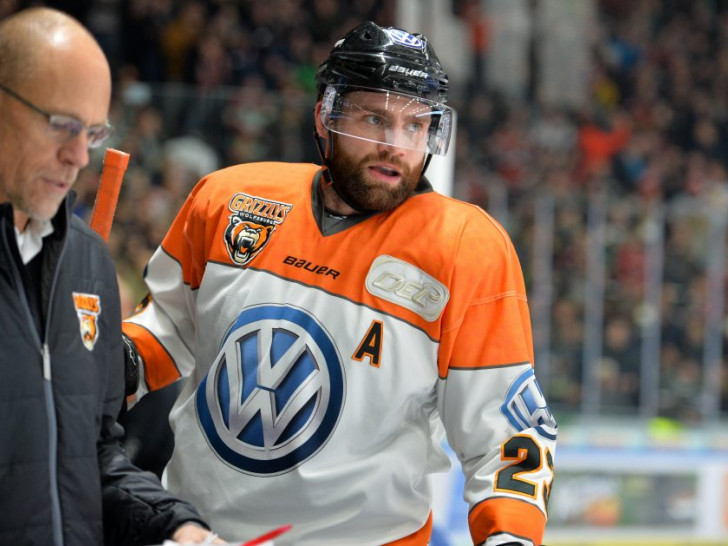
[{"x": 386, "y": 117}]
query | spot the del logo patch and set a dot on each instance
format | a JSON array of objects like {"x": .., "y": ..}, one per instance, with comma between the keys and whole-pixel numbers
[
  {"x": 275, "y": 392},
  {"x": 88, "y": 309},
  {"x": 404, "y": 284},
  {"x": 251, "y": 225}
]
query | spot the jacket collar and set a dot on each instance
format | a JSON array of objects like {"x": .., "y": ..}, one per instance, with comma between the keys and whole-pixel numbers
[{"x": 60, "y": 220}]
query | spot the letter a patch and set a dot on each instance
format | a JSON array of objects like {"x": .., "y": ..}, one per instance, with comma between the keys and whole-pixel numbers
[
  {"x": 88, "y": 309},
  {"x": 371, "y": 344}
]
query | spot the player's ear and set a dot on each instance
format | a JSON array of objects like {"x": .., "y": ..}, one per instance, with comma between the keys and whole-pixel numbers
[{"x": 320, "y": 129}]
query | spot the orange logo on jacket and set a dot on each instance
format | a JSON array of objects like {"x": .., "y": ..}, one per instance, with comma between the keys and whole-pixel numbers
[
  {"x": 251, "y": 224},
  {"x": 88, "y": 309}
]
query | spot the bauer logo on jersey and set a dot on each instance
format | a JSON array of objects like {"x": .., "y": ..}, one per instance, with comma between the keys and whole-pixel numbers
[
  {"x": 88, "y": 309},
  {"x": 251, "y": 224},
  {"x": 525, "y": 406},
  {"x": 408, "y": 286},
  {"x": 275, "y": 392}
]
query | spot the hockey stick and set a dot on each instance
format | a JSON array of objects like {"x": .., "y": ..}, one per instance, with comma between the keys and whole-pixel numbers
[{"x": 107, "y": 195}]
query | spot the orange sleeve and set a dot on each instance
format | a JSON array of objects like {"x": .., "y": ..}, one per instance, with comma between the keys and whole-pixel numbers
[
  {"x": 504, "y": 515},
  {"x": 164, "y": 372},
  {"x": 491, "y": 324}
]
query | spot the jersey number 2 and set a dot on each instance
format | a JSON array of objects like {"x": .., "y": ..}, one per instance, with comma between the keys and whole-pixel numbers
[{"x": 526, "y": 456}]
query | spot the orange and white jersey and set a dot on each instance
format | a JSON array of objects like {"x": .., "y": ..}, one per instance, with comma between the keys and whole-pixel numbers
[{"x": 322, "y": 368}]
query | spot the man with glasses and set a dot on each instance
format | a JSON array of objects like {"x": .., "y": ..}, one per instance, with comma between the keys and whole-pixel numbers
[
  {"x": 64, "y": 478},
  {"x": 62, "y": 128},
  {"x": 333, "y": 318}
]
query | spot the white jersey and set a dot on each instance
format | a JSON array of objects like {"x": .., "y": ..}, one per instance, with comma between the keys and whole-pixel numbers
[{"x": 322, "y": 367}]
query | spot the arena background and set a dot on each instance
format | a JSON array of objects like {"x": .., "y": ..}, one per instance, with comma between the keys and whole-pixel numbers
[{"x": 593, "y": 130}]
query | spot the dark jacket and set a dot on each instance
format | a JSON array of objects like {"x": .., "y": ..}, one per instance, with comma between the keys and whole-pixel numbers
[{"x": 61, "y": 388}]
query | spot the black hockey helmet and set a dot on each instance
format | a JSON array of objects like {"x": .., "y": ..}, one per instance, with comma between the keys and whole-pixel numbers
[{"x": 391, "y": 59}]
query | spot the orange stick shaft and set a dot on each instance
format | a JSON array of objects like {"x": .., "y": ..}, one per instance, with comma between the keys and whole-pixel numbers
[{"x": 107, "y": 195}]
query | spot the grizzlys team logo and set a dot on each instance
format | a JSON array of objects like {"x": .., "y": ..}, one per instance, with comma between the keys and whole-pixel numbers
[
  {"x": 251, "y": 225},
  {"x": 245, "y": 239},
  {"x": 275, "y": 392},
  {"x": 88, "y": 309}
]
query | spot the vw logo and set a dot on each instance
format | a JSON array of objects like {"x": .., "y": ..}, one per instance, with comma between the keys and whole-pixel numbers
[
  {"x": 525, "y": 406},
  {"x": 405, "y": 38},
  {"x": 274, "y": 394}
]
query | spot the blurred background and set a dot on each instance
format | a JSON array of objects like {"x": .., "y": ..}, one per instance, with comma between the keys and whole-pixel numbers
[{"x": 593, "y": 130}]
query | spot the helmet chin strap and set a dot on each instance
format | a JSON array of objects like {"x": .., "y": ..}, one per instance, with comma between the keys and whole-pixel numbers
[
  {"x": 329, "y": 178},
  {"x": 425, "y": 165}
]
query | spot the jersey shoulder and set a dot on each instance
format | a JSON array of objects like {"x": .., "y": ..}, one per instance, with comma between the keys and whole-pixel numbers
[
  {"x": 464, "y": 222},
  {"x": 269, "y": 178}
]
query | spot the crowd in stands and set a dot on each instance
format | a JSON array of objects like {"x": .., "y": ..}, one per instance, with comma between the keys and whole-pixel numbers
[
  {"x": 201, "y": 84},
  {"x": 651, "y": 139}
]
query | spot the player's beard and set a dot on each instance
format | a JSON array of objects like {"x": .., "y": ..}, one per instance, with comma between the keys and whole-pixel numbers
[{"x": 361, "y": 191}]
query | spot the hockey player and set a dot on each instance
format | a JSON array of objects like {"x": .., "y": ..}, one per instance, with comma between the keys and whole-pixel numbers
[{"x": 331, "y": 319}]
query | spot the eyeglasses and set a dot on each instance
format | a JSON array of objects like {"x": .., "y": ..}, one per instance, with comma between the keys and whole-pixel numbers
[{"x": 65, "y": 128}]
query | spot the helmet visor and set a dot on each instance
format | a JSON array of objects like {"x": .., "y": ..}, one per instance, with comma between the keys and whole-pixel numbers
[{"x": 386, "y": 117}]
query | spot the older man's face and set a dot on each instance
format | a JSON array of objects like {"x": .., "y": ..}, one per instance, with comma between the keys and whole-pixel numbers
[{"x": 37, "y": 169}]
